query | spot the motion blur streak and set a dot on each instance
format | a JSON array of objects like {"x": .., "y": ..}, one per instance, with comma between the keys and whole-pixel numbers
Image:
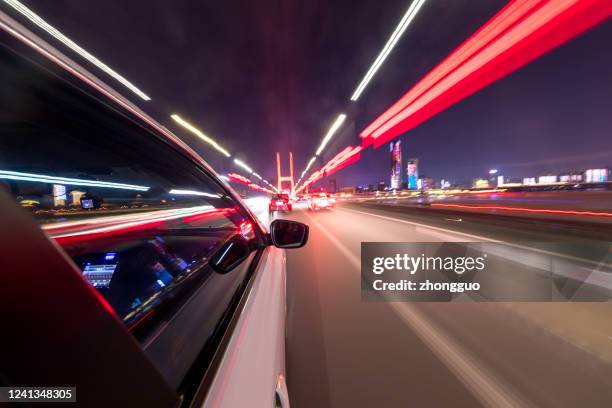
[
  {"x": 242, "y": 164},
  {"x": 530, "y": 210},
  {"x": 199, "y": 133},
  {"x": 42, "y": 178},
  {"x": 60, "y": 227},
  {"x": 469, "y": 347},
  {"x": 309, "y": 165},
  {"x": 520, "y": 33},
  {"x": 346, "y": 157},
  {"x": 33, "y": 17},
  {"x": 191, "y": 192},
  {"x": 104, "y": 226},
  {"x": 489, "y": 389},
  {"x": 238, "y": 178},
  {"x": 399, "y": 30},
  {"x": 349, "y": 155},
  {"x": 507, "y": 16},
  {"x": 330, "y": 133}
]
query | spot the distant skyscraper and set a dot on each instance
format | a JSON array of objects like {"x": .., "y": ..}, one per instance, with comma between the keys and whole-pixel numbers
[
  {"x": 395, "y": 148},
  {"x": 412, "y": 169}
]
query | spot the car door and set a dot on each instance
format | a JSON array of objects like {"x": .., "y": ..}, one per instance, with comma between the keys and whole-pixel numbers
[{"x": 130, "y": 221}]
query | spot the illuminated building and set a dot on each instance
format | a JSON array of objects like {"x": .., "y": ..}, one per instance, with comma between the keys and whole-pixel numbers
[
  {"x": 547, "y": 179},
  {"x": 395, "y": 148},
  {"x": 75, "y": 197},
  {"x": 412, "y": 170},
  {"x": 570, "y": 178},
  {"x": 480, "y": 183},
  {"x": 425, "y": 183},
  {"x": 596, "y": 175},
  {"x": 59, "y": 195},
  {"x": 529, "y": 181}
]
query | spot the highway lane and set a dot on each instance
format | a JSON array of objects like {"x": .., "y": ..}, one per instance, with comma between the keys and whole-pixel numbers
[{"x": 342, "y": 352}]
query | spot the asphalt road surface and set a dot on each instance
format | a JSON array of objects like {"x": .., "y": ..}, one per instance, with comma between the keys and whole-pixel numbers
[{"x": 342, "y": 352}]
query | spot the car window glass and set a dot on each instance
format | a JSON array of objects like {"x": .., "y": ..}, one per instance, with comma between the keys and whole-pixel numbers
[{"x": 136, "y": 215}]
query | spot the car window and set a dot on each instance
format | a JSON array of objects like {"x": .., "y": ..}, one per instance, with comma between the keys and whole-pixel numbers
[{"x": 134, "y": 213}]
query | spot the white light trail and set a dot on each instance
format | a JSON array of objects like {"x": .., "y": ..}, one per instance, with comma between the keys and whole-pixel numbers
[
  {"x": 191, "y": 192},
  {"x": 110, "y": 224},
  {"x": 334, "y": 127},
  {"x": 224, "y": 178},
  {"x": 42, "y": 178},
  {"x": 33, "y": 17},
  {"x": 243, "y": 165},
  {"x": 199, "y": 133},
  {"x": 310, "y": 162},
  {"x": 399, "y": 30},
  {"x": 258, "y": 176}
]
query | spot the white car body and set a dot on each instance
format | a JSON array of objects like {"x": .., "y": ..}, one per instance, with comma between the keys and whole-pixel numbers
[{"x": 252, "y": 372}]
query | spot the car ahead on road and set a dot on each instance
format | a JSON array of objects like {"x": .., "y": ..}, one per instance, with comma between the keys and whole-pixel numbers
[
  {"x": 320, "y": 201},
  {"x": 280, "y": 202},
  {"x": 130, "y": 270},
  {"x": 301, "y": 202}
]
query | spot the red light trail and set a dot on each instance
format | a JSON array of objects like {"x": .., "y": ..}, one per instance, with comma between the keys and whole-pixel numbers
[
  {"x": 521, "y": 32},
  {"x": 102, "y": 227},
  {"x": 528, "y": 210},
  {"x": 239, "y": 178}
]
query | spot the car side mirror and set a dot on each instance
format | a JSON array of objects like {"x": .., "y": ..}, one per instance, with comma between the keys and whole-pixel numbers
[
  {"x": 230, "y": 255},
  {"x": 288, "y": 234}
]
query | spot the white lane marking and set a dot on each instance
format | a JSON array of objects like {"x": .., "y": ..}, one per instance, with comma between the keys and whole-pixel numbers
[
  {"x": 463, "y": 234},
  {"x": 442, "y": 236},
  {"x": 480, "y": 382},
  {"x": 596, "y": 264},
  {"x": 343, "y": 248}
]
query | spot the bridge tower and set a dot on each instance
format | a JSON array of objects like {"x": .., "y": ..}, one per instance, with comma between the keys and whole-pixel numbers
[{"x": 281, "y": 178}]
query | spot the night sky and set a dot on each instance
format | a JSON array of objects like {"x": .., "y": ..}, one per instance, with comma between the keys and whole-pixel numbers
[{"x": 262, "y": 75}]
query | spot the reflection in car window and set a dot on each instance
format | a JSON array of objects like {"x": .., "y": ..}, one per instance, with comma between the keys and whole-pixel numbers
[{"x": 136, "y": 216}]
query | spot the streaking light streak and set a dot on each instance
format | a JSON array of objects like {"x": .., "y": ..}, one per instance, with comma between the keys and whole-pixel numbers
[
  {"x": 42, "y": 178},
  {"x": 399, "y": 30},
  {"x": 239, "y": 178},
  {"x": 34, "y": 18},
  {"x": 113, "y": 224},
  {"x": 334, "y": 127},
  {"x": 346, "y": 157},
  {"x": 191, "y": 192},
  {"x": 521, "y": 32},
  {"x": 310, "y": 162},
  {"x": 243, "y": 165},
  {"x": 529, "y": 210},
  {"x": 199, "y": 133}
]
